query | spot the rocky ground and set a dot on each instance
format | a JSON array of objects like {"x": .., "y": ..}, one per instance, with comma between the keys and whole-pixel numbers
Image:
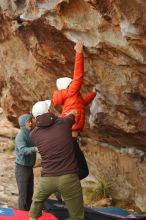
[{"x": 8, "y": 187}]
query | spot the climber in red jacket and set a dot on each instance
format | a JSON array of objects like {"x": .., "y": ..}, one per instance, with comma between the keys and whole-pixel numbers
[{"x": 69, "y": 97}]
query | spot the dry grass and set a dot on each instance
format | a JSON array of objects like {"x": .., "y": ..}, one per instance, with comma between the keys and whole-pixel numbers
[{"x": 103, "y": 189}]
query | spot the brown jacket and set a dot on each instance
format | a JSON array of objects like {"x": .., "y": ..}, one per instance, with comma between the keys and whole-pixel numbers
[{"x": 53, "y": 137}]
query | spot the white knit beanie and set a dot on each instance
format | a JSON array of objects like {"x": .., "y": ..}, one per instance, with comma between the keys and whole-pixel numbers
[
  {"x": 41, "y": 107},
  {"x": 63, "y": 83}
]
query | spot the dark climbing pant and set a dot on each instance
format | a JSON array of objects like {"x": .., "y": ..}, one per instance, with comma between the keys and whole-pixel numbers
[
  {"x": 82, "y": 164},
  {"x": 25, "y": 182}
]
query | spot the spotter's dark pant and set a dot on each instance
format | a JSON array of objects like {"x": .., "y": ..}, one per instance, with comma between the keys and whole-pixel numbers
[
  {"x": 25, "y": 182},
  {"x": 82, "y": 164}
]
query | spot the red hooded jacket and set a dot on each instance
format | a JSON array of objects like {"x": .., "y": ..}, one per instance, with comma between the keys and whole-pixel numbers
[{"x": 71, "y": 97}]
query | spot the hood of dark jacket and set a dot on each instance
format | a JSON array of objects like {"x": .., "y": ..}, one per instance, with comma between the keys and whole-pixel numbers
[{"x": 46, "y": 120}]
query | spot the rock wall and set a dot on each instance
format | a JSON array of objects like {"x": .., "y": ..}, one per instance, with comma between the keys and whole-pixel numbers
[
  {"x": 123, "y": 173},
  {"x": 36, "y": 47}
]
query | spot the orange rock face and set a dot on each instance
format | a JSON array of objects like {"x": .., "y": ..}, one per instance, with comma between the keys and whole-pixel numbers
[{"x": 36, "y": 47}]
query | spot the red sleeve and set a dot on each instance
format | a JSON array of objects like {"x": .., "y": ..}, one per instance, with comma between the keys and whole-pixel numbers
[
  {"x": 89, "y": 98},
  {"x": 78, "y": 75},
  {"x": 57, "y": 98}
]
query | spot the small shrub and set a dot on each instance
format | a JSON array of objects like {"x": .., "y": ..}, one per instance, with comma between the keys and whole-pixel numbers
[
  {"x": 89, "y": 194},
  {"x": 103, "y": 189}
]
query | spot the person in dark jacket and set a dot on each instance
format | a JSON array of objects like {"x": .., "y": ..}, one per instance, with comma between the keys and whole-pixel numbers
[
  {"x": 25, "y": 160},
  {"x": 53, "y": 138}
]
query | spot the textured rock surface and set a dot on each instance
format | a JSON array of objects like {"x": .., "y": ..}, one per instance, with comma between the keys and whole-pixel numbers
[
  {"x": 7, "y": 130},
  {"x": 125, "y": 174},
  {"x": 38, "y": 48}
]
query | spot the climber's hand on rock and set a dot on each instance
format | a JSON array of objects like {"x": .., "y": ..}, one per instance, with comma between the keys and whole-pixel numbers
[
  {"x": 79, "y": 47},
  {"x": 95, "y": 89}
]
